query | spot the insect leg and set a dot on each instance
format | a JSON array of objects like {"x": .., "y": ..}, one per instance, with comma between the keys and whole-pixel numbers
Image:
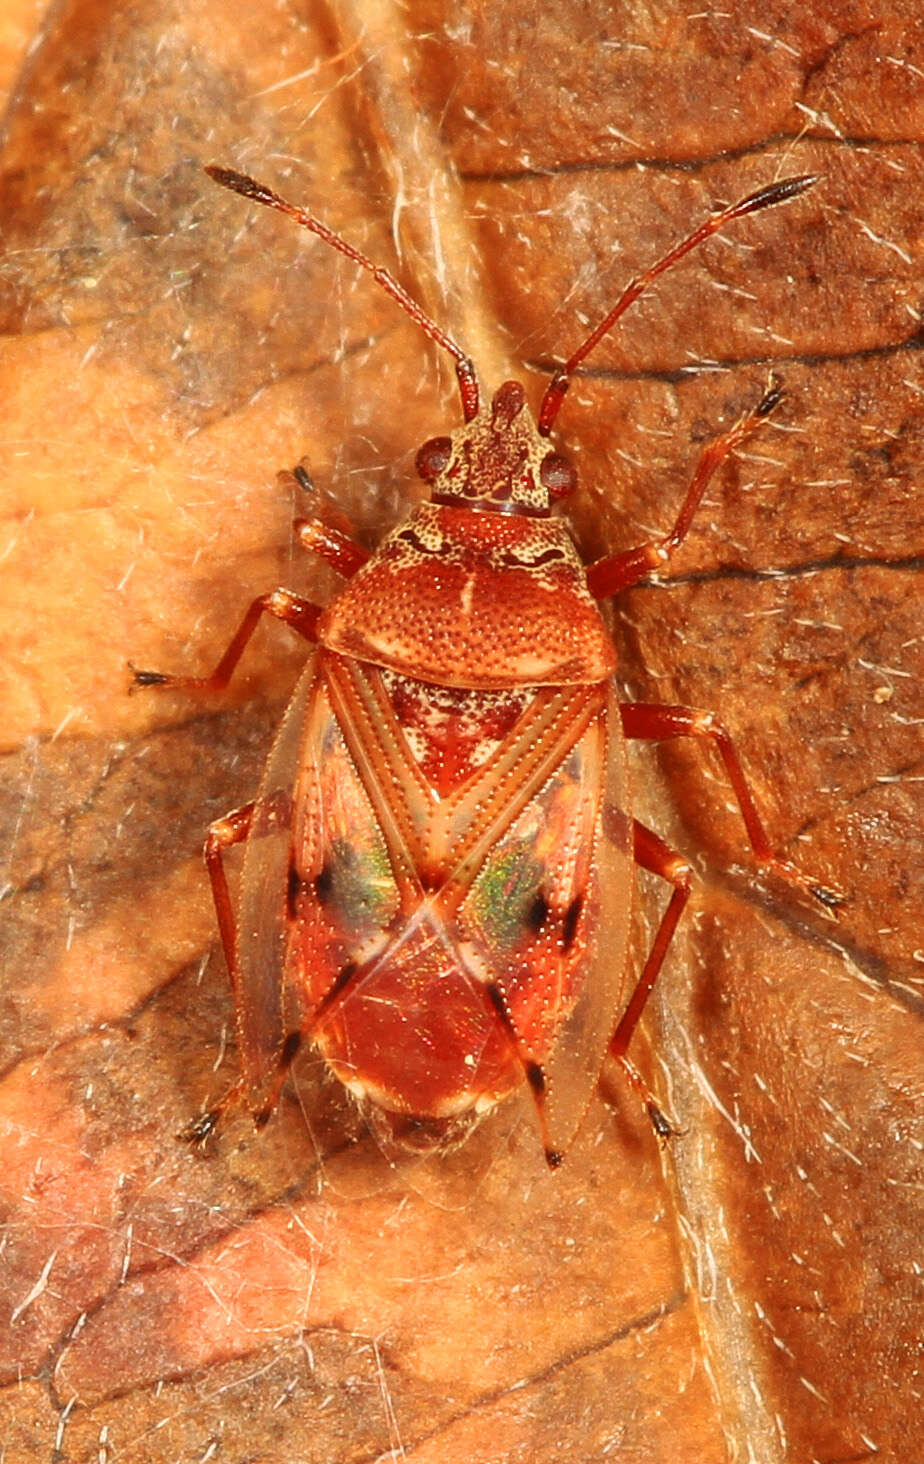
[
  {"x": 222, "y": 834},
  {"x": 336, "y": 549},
  {"x": 532, "y": 1071},
  {"x": 326, "y": 531},
  {"x": 619, "y": 571},
  {"x": 235, "y": 828},
  {"x": 653, "y": 854},
  {"x": 661, "y": 723},
  {"x": 301, "y": 614}
]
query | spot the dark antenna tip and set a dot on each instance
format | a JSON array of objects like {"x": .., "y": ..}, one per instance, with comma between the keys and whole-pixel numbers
[
  {"x": 258, "y": 193},
  {"x": 239, "y": 183},
  {"x": 771, "y": 397},
  {"x": 779, "y": 192}
]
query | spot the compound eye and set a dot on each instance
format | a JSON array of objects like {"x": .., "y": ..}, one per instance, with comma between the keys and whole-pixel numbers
[
  {"x": 557, "y": 475},
  {"x": 433, "y": 457}
]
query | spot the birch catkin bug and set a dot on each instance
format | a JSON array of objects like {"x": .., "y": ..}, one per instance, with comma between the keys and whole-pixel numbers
[{"x": 438, "y": 872}]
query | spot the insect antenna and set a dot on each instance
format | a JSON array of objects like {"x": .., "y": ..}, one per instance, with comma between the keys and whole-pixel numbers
[
  {"x": 774, "y": 193},
  {"x": 259, "y": 193}
]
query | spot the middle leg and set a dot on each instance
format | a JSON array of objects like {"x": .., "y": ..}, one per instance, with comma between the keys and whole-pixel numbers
[{"x": 662, "y": 723}]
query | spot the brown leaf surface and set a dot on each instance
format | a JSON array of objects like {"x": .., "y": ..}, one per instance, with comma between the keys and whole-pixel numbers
[{"x": 748, "y": 1294}]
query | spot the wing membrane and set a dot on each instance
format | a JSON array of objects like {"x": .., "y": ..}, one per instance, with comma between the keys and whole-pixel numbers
[
  {"x": 573, "y": 1066},
  {"x": 262, "y": 920}
]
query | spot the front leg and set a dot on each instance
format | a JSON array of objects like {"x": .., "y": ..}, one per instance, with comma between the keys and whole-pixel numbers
[
  {"x": 327, "y": 532},
  {"x": 330, "y": 541},
  {"x": 619, "y": 571},
  {"x": 301, "y": 614}
]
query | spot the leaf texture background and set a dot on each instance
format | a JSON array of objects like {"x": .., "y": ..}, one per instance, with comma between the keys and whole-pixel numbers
[{"x": 752, "y": 1293}]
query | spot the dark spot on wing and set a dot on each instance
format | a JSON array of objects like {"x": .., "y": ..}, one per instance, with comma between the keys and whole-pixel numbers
[
  {"x": 289, "y": 1048},
  {"x": 341, "y": 981},
  {"x": 295, "y": 888},
  {"x": 536, "y": 1078},
  {"x": 496, "y": 998},
  {"x": 570, "y": 924},
  {"x": 617, "y": 826},
  {"x": 538, "y": 913},
  {"x": 324, "y": 884}
]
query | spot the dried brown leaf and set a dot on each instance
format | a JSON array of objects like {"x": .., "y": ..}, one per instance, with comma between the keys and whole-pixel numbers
[{"x": 749, "y": 1293}]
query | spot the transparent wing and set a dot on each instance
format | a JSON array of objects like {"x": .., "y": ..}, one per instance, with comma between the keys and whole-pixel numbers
[
  {"x": 572, "y": 1068},
  {"x": 263, "y": 924}
]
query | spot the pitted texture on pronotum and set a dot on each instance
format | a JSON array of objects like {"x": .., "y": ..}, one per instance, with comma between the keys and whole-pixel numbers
[{"x": 474, "y": 599}]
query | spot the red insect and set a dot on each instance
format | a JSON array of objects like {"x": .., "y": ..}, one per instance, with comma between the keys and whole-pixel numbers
[{"x": 438, "y": 872}]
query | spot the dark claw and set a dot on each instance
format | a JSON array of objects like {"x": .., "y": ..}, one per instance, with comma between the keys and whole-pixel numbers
[
  {"x": 830, "y": 899},
  {"x": 662, "y": 1126},
  {"x": 146, "y": 678},
  {"x": 201, "y": 1129},
  {"x": 771, "y": 398}
]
